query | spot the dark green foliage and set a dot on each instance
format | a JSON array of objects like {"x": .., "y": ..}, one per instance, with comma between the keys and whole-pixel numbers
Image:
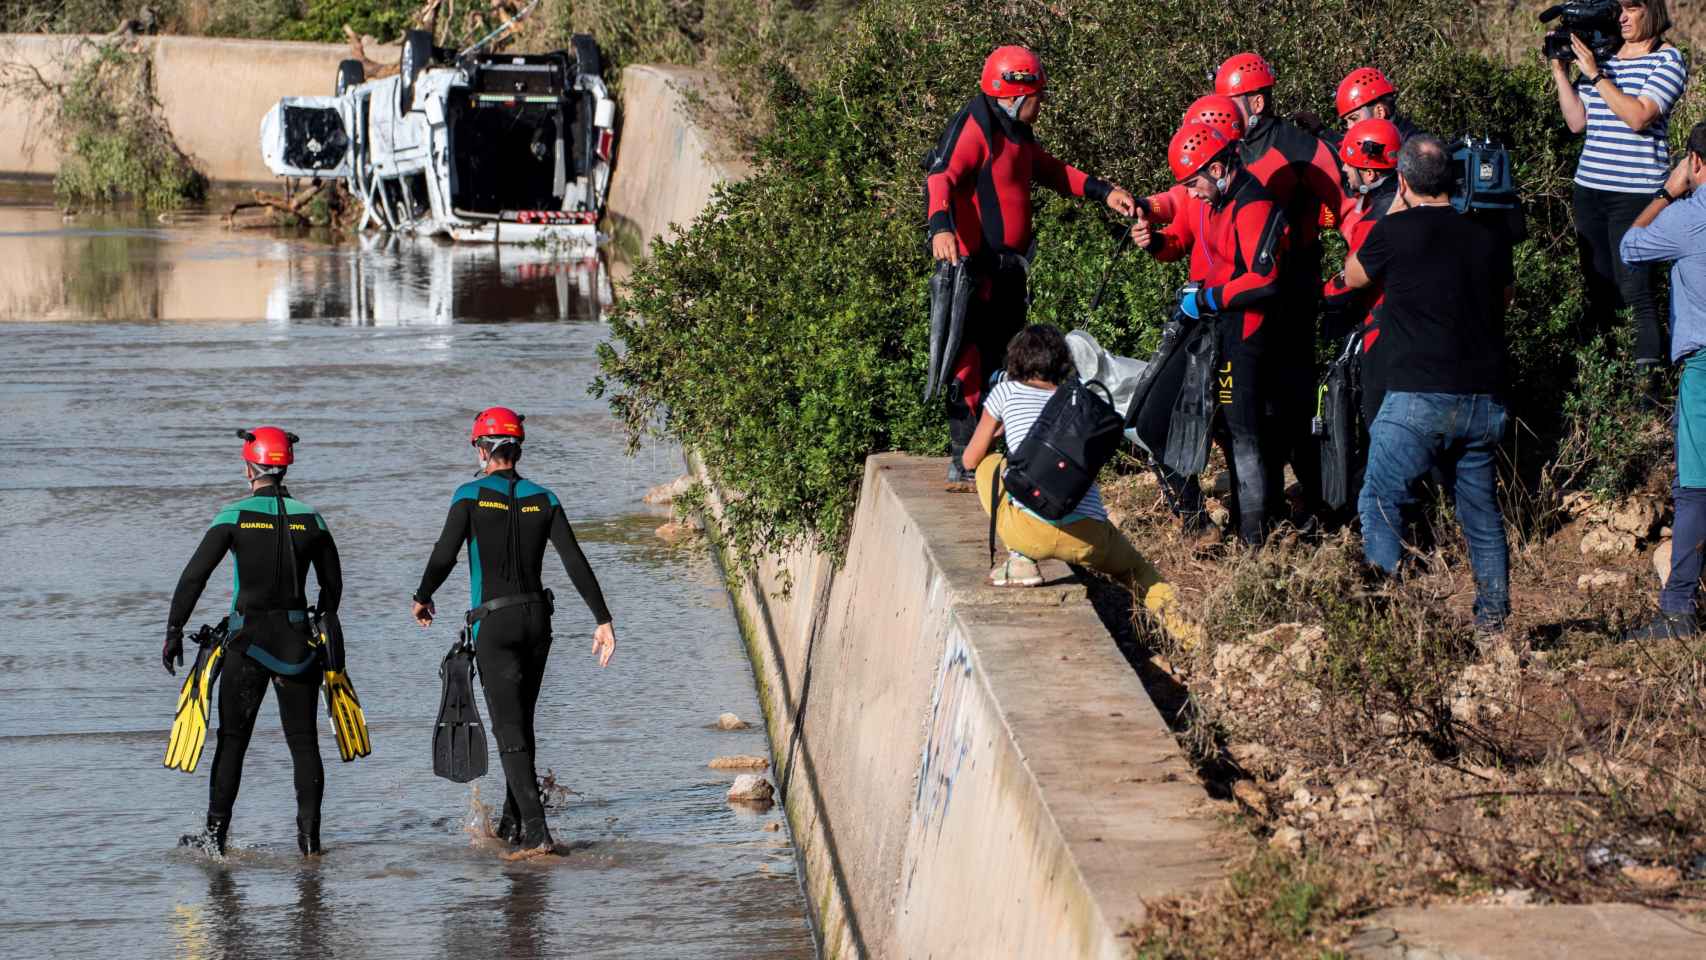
[
  {"x": 324, "y": 20},
  {"x": 784, "y": 336}
]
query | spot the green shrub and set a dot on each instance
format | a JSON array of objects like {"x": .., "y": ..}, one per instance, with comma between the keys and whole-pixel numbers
[
  {"x": 324, "y": 20},
  {"x": 113, "y": 141},
  {"x": 783, "y": 336}
]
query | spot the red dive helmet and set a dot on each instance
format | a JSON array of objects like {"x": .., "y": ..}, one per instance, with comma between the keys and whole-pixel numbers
[
  {"x": 497, "y": 422},
  {"x": 1216, "y": 111},
  {"x": 1371, "y": 144},
  {"x": 1361, "y": 87},
  {"x": 1194, "y": 147},
  {"x": 1013, "y": 72},
  {"x": 269, "y": 446},
  {"x": 1243, "y": 73}
]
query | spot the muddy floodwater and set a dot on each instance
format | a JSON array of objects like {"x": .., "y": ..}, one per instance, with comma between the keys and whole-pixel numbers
[{"x": 133, "y": 347}]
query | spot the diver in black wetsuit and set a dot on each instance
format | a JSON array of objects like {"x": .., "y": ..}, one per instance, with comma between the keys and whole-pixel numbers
[
  {"x": 270, "y": 636},
  {"x": 507, "y": 521}
]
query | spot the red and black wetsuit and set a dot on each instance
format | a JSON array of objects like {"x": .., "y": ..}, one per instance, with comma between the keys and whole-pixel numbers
[
  {"x": 979, "y": 187},
  {"x": 1235, "y": 246},
  {"x": 1360, "y": 306},
  {"x": 1302, "y": 173}
]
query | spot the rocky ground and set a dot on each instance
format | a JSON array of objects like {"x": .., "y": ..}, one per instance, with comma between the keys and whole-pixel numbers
[{"x": 1375, "y": 755}]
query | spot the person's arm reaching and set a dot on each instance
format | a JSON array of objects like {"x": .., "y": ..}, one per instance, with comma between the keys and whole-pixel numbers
[
  {"x": 574, "y": 561},
  {"x": 443, "y": 559},
  {"x": 1069, "y": 181},
  {"x": 328, "y": 571},
  {"x": 215, "y": 543}
]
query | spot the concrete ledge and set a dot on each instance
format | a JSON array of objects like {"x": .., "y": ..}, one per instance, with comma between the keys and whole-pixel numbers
[
  {"x": 968, "y": 771},
  {"x": 1531, "y": 933}
]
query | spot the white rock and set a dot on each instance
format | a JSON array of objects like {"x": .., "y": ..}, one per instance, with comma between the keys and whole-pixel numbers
[
  {"x": 666, "y": 493},
  {"x": 1287, "y": 838},
  {"x": 1602, "y": 580},
  {"x": 1635, "y": 516},
  {"x": 729, "y": 721},
  {"x": 1661, "y": 562},
  {"x": 1605, "y": 542},
  {"x": 751, "y": 788}
]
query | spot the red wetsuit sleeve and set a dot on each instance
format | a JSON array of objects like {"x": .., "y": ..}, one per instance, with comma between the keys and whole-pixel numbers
[
  {"x": 1260, "y": 231},
  {"x": 1165, "y": 207},
  {"x": 1173, "y": 241},
  {"x": 1066, "y": 179},
  {"x": 970, "y": 152},
  {"x": 1321, "y": 180}
]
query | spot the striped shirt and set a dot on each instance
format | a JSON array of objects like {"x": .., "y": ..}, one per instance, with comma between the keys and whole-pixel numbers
[
  {"x": 1615, "y": 157},
  {"x": 1017, "y": 405}
]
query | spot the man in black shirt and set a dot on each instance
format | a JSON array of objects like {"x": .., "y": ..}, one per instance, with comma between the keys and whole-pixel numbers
[{"x": 1442, "y": 352}]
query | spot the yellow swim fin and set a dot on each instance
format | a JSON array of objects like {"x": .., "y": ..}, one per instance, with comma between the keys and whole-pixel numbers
[
  {"x": 189, "y": 727},
  {"x": 349, "y": 724}
]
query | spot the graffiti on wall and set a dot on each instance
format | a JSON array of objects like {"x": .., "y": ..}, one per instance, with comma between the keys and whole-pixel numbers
[{"x": 949, "y": 737}]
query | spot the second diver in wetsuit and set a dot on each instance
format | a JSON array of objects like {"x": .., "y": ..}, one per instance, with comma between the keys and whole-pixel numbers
[
  {"x": 506, "y": 521},
  {"x": 272, "y": 539}
]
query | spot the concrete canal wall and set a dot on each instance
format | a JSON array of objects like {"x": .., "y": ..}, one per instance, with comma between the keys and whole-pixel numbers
[
  {"x": 212, "y": 93},
  {"x": 969, "y": 771}
]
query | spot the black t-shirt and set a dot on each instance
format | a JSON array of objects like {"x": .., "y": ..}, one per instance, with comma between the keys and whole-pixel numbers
[{"x": 1442, "y": 325}]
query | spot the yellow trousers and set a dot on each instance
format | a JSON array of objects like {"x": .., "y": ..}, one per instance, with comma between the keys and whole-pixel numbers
[{"x": 1096, "y": 544}]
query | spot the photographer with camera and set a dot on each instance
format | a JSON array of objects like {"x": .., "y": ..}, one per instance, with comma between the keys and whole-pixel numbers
[
  {"x": 1673, "y": 227},
  {"x": 1622, "y": 98}
]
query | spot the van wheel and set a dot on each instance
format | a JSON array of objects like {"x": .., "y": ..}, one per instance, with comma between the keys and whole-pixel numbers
[
  {"x": 350, "y": 74},
  {"x": 588, "y": 62},
  {"x": 417, "y": 53}
]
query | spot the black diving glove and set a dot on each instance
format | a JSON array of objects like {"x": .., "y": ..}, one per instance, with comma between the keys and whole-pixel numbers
[
  {"x": 334, "y": 646},
  {"x": 172, "y": 649}
]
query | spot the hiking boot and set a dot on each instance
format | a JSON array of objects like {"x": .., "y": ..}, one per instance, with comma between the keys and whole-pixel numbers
[
  {"x": 1017, "y": 570},
  {"x": 308, "y": 835},
  {"x": 212, "y": 839},
  {"x": 958, "y": 474},
  {"x": 1663, "y": 626}
]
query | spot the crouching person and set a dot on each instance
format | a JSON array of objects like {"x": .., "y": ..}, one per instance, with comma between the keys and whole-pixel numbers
[
  {"x": 1447, "y": 280},
  {"x": 1038, "y": 362}
]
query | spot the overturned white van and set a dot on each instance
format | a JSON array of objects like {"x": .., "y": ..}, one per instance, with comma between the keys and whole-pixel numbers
[{"x": 491, "y": 148}]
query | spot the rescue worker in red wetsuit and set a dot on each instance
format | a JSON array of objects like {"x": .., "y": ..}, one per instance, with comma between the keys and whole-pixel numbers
[
  {"x": 1238, "y": 234},
  {"x": 1369, "y": 152},
  {"x": 979, "y": 199},
  {"x": 1302, "y": 175},
  {"x": 1366, "y": 94},
  {"x": 1178, "y": 207}
]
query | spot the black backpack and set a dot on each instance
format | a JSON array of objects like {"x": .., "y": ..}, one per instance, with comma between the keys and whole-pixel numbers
[{"x": 1075, "y": 435}]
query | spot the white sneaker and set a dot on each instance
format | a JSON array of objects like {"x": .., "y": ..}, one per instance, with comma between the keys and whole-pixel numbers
[{"x": 1017, "y": 570}]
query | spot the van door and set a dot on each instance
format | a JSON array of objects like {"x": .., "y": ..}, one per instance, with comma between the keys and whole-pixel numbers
[{"x": 309, "y": 137}]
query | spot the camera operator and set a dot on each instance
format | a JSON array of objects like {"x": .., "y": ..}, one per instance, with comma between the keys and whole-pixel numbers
[
  {"x": 1673, "y": 227},
  {"x": 1624, "y": 105},
  {"x": 1447, "y": 278}
]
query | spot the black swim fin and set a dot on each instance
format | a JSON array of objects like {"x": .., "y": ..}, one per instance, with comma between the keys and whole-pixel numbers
[{"x": 459, "y": 738}]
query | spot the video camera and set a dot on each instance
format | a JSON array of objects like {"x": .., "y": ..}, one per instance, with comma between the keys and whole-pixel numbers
[
  {"x": 1483, "y": 176},
  {"x": 1595, "y": 21}
]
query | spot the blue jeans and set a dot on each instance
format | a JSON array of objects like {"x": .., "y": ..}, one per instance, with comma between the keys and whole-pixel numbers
[
  {"x": 1689, "y": 491},
  {"x": 1458, "y": 433}
]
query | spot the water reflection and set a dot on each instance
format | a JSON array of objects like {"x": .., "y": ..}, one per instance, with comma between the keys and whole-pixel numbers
[
  {"x": 388, "y": 280},
  {"x": 187, "y": 266}
]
